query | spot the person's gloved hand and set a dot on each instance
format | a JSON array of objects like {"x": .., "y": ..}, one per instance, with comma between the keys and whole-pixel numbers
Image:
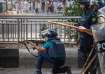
[{"x": 81, "y": 29}]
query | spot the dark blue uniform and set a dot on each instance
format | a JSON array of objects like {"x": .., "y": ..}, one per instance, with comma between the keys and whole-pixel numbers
[
  {"x": 86, "y": 41},
  {"x": 44, "y": 56}
]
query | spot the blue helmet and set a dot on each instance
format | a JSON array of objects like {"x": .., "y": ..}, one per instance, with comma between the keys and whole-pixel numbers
[{"x": 50, "y": 33}]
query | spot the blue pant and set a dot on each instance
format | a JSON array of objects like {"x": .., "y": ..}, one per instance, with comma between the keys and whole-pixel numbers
[{"x": 44, "y": 57}]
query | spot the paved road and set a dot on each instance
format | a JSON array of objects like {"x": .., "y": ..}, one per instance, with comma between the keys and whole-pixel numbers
[
  {"x": 30, "y": 71},
  {"x": 27, "y": 63}
]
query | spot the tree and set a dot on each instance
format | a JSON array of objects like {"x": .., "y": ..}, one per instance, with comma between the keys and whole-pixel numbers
[{"x": 73, "y": 9}]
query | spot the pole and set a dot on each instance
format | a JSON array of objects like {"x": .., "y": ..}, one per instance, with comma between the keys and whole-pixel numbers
[{"x": 70, "y": 25}]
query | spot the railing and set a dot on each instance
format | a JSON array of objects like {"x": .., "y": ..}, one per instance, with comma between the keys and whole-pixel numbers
[{"x": 19, "y": 28}]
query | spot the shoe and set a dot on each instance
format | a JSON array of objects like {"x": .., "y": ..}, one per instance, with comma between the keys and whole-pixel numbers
[
  {"x": 38, "y": 72},
  {"x": 68, "y": 70},
  {"x": 65, "y": 69}
]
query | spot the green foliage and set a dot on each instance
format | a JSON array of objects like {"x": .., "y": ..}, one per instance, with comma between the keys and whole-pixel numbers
[{"x": 73, "y": 10}]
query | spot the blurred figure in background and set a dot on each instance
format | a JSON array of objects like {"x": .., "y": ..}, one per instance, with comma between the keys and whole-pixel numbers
[
  {"x": 55, "y": 3},
  {"x": 42, "y": 6},
  {"x": 33, "y": 6},
  {"x": 19, "y": 6},
  {"x": 26, "y": 6},
  {"x": 50, "y": 6}
]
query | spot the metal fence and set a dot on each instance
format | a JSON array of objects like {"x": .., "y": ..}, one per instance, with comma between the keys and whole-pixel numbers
[{"x": 19, "y": 28}]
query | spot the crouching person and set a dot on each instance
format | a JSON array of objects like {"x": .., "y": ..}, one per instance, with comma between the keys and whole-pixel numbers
[{"x": 53, "y": 51}]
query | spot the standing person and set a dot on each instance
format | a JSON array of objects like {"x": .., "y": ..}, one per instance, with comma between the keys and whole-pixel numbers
[
  {"x": 25, "y": 6},
  {"x": 19, "y": 6},
  {"x": 50, "y": 6},
  {"x": 43, "y": 5},
  {"x": 102, "y": 21},
  {"x": 86, "y": 40},
  {"x": 64, "y": 2},
  {"x": 33, "y": 6},
  {"x": 53, "y": 51},
  {"x": 55, "y": 3}
]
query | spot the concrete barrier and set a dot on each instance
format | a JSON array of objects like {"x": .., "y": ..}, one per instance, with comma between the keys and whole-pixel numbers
[{"x": 9, "y": 57}]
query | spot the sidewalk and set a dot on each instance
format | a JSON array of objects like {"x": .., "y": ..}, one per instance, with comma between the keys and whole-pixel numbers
[{"x": 31, "y": 14}]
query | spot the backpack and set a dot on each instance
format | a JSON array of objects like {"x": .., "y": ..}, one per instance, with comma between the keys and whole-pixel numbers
[{"x": 57, "y": 50}]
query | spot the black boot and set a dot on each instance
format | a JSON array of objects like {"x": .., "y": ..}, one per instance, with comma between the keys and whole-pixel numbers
[
  {"x": 68, "y": 70},
  {"x": 65, "y": 69},
  {"x": 38, "y": 72},
  {"x": 55, "y": 71}
]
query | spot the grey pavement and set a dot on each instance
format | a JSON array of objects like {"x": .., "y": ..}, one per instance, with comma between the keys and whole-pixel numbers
[
  {"x": 30, "y": 71},
  {"x": 27, "y": 63}
]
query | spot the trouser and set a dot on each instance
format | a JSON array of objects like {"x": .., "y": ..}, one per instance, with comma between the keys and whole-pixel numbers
[
  {"x": 104, "y": 59},
  {"x": 56, "y": 63},
  {"x": 43, "y": 7},
  {"x": 82, "y": 57},
  {"x": 51, "y": 9}
]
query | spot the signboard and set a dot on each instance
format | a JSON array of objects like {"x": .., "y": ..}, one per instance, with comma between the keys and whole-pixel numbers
[{"x": 101, "y": 46}]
